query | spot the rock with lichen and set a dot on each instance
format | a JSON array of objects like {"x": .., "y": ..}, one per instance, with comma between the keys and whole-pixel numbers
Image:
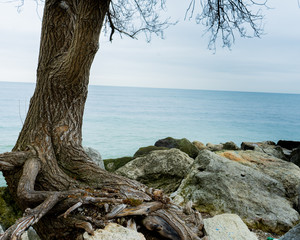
[
  {"x": 162, "y": 169},
  {"x": 113, "y": 164},
  {"x": 182, "y": 144}
]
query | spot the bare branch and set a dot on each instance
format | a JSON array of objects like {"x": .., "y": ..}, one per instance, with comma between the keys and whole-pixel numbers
[
  {"x": 139, "y": 16},
  {"x": 225, "y": 18}
]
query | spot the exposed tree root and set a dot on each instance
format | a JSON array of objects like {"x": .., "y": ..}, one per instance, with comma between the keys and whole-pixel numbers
[
  {"x": 31, "y": 217},
  {"x": 88, "y": 209},
  {"x": 10, "y": 160}
]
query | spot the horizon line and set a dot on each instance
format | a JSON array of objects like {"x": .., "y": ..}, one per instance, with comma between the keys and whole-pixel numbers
[{"x": 170, "y": 88}]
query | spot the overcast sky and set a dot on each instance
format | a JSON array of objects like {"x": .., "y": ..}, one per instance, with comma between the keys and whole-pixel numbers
[{"x": 181, "y": 60}]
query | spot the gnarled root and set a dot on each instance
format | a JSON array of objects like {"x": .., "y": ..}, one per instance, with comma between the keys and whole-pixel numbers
[
  {"x": 87, "y": 209},
  {"x": 10, "y": 160},
  {"x": 31, "y": 217}
]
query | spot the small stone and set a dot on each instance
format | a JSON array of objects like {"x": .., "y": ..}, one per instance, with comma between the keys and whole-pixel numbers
[
  {"x": 227, "y": 226},
  {"x": 114, "y": 231}
]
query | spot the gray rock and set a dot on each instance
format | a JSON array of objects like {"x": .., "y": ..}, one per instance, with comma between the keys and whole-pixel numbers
[
  {"x": 162, "y": 169},
  {"x": 182, "y": 144},
  {"x": 218, "y": 185},
  {"x": 288, "y": 174},
  {"x": 293, "y": 234},
  {"x": 227, "y": 226},
  {"x": 267, "y": 147},
  {"x": 95, "y": 156},
  {"x": 114, "y": 231},
  {"x": 30, "y": 234},
  {"x": 214, "y": 147},
  {"x": 1, "y": 229}
]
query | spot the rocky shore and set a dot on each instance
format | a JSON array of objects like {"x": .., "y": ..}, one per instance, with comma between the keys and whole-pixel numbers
[{"x": 250, "y": 191}]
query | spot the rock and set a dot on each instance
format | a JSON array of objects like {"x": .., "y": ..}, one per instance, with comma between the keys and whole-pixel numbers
[
  {"x": 214, "y": 147},
  {"x": 163, "y": 169},
  {"x": 112, "y": 165},
  {"x": 227, "y": 226},
  {"x": 288, "y": 144},
  {"x": 199, "y": 145},
  {"x": 95, "y": 156},
  {"x": 9, "y": 212},
  {"x": 230, "y": 146},
  {"x": 288, "y": 174},
  {"x": 267, "y": 147},
  {"x": 114, "y": 231},
  {"x": 295, "y": 156},
  {"x": 257, "y": 192},
  {"x": 30, "y": 234},
  {"x": 182, "y": 144},
  {"x": 293, "y": 234},
  {"x": 145, "y": 150},
  {"x": 1, "y": 229},
  {"x": 222, "y": 146}
]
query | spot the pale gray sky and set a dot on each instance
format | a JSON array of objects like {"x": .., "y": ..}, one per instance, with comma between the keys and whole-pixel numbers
[{"x": 181, "y": 60}]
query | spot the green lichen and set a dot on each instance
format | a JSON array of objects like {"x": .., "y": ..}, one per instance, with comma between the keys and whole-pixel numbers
[
  {"x": 133, "y": 202},
  {"x": 9, "y": 212},
  {"x": 112, "y": 165},
  {"x": 183, "y": 145},
  {"x": 145, "y": 150}
]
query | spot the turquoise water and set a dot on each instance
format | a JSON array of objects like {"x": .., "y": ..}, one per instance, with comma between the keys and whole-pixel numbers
[{"x": 119, "y": 120}]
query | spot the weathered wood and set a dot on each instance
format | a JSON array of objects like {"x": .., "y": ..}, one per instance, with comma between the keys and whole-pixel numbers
[{"x": 10, "y": 160}]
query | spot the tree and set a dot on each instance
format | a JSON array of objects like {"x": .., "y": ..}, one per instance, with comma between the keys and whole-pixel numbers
[{"x": 48, "y": 172}]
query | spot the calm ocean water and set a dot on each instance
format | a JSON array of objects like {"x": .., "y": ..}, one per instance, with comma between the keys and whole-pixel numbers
[{"x": 119, "y": 120}]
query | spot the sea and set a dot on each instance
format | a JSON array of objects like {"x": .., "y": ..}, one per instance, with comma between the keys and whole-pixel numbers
[{"x": 119, "y": 120}]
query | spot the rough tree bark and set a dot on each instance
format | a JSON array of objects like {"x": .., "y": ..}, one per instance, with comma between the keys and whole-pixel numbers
[{"x": 48, "y": 173}]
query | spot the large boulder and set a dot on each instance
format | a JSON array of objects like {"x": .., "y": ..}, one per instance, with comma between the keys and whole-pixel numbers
[
  {"x": 227, "y": 226},
  {"x": 267, "y": 147},
  {"x": 95, "y": 156},
  {"x": 145, "y": 150},
  {"x": 182, "y": 144},
  {"x": 288, "y": 174},
  {"x": 114, "y": 231},
  {"x": 113, "y": 164},
  {"x": 163, "y": 169},
  {"x": 293, "y": 234},
  {"x": 218, "y": 185}
]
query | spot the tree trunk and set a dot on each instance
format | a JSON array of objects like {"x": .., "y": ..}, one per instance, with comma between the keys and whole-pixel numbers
[{"x": 48, "y": 171}]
